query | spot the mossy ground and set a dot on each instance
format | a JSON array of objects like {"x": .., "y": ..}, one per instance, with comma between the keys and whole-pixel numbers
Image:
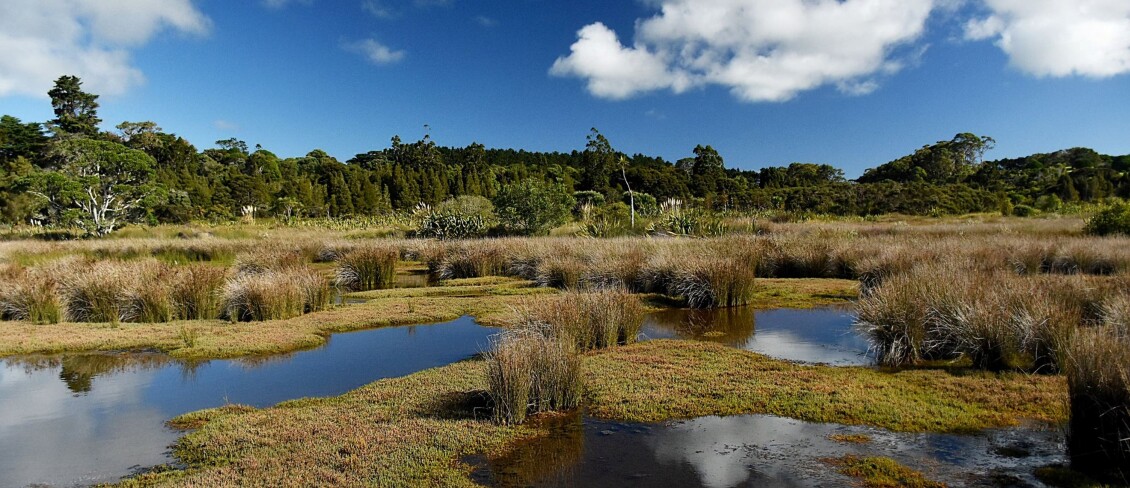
[{"x": 881, "y": 472}]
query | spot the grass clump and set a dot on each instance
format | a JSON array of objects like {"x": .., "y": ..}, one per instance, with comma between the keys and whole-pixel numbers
[
  {"x": 274, "y": 295},
  {"x": 713, "y": 281},
  {"x": 98, "y": 293},
  {"x": 588, "y": 321},
  {"x": 1098, "y": 380},
  {"x": 31, "y": 297},
  {"x": 195, "y": 292},
  {"x": 529, "y": 372},
  {"x": 367, "y": 268},
  {"x": 882, "y": 472}
]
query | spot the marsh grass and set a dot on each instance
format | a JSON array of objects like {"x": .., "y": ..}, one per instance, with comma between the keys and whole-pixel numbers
[
  {"x": 31, "y": 297},
  {"x": 101, "y": 292},
  {"x": 713, "y": 281},
  {"x": 1098, "y": 381},
  {"x": 882, "y": 472},
  {"x": 195, "y": 292},
  {"x": 367, "y": 268},
  {"x": 587, "y": 320},
  {"x": 274, "y": 295},
  {"x": 529, "y": 372},
  {"x": 466, "y": 260}
]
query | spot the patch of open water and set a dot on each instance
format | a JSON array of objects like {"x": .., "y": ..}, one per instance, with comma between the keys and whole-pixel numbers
[
  {"x": 758, "y": 451},
  {"x": 90, "y": 418},
  {"x": 819, "y": 335}
]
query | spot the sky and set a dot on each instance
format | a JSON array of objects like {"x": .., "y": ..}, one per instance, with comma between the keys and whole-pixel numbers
[{"x": 852, "y": 83}]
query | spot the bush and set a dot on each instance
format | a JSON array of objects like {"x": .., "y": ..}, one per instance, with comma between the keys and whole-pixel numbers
[
  {"x": 1114, "y": 219},
  {"x": 458, "y": 218},
  {"x": 532, "y": 207},
  {"x": 1024, "y": 211}
]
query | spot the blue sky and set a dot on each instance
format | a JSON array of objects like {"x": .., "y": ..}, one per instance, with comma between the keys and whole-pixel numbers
[{"x": 766, "y": 82}]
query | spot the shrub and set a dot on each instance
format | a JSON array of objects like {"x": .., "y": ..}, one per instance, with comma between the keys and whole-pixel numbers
[
  {"x": 532, "y": 207},
  {"x": 1024, "y": 211},
  {"x": 367, "y": 268},
  {"x": 529, "y": 372},
  {"x": 1114, "y": 219}
]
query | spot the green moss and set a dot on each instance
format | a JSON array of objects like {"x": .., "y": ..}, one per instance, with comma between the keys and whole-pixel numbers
[
  {"x": 660, "y": 380},
  {"x": 881, "y": 472}
]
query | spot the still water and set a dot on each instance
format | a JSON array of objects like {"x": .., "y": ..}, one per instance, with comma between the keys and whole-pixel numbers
[
  {"x": 757, "y": 451},
  {"x": 820, "y": 335},
  {"x": 84, "y": 419}
]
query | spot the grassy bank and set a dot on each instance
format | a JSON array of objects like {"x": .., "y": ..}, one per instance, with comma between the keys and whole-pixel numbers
[{"x": 418, "y": 429}]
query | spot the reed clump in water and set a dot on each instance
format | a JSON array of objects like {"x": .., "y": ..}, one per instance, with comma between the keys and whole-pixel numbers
[
  {"x": 710, "y": 281},
  {"x": 367, "y": 268},
  {"x": 529, "y": 372}
]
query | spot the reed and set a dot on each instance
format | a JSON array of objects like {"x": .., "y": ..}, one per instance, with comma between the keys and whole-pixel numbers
[
  {"x": 367, "y": 268},
  {"x": 195, "y": 292},
  {"x": 713, "y": 281},
  {"x": 274, "y": 295},
  {"x": 588, "y": 320},
  {"x": 31, "y": 297},
  {"x": 1098, "y": 382},
  {"x": 530, "y": 372}
]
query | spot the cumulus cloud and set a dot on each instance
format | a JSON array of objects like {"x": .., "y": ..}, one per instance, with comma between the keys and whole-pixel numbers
[
  {"x": 45, "y": 39},
  {"x": 763, "y": 50},
  {"x": 376, "y": 52},
  {"x": 1059, "y": 38}
]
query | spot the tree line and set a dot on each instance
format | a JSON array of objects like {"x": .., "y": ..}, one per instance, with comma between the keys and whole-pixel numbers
[{"x": 68, "y": 172}]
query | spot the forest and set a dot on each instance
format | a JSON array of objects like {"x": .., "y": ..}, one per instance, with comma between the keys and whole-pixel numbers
[{"x": 67, "y": 173}]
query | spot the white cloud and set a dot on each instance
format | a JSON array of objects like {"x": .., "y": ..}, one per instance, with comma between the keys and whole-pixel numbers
[
  {"x": 376, "y": 52},
  {"x": 277, "y": 4},
  {"x": 92, "y": 39},
  {"x": 378, "y": 9},
  {"x": 1057, "y": 37},
  {"x": 485, "y": 21},
  {"x": 763, "y": 50}
]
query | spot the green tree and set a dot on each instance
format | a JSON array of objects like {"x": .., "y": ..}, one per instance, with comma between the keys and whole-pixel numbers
[
  {"x": 76, "y": 112},
  {"x": 533, "y": 207},
  {"x": 597, "y": 162},
  {"x": 100, "y": 184}
]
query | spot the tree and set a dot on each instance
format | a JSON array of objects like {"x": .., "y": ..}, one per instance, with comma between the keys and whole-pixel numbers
[
  {"x": 597, "y": 162},
  {"x": 100, "y": 184},
  {"x": 76, "y": 112},
  {"x": 533, "y": 207}
]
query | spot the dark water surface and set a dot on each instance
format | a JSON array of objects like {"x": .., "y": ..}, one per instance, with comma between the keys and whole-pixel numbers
[
  {"x": 758, "y": 451},
  {"x": 819, "y": 335},
  {"x": 84, "y": 419}
]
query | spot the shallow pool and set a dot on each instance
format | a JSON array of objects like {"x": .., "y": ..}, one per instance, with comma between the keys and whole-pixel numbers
[
  {"x": 90, "y": 418},
  {"x": 819, "y": 335}
]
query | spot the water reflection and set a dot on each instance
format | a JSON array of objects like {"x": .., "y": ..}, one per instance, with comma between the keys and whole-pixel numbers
[
  {"x": 820, "y": 335},
  {"x": 84, "y": 419},
  {"x": 759, "y": 450}
]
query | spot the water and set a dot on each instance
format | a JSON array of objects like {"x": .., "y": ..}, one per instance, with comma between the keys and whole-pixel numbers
[
  {"x": 85, "y": 419},
  {"x": 820, "y": 335},
  {"x": 757, "y": 450}
]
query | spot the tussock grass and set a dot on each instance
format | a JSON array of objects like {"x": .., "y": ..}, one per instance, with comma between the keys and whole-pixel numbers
[
  {"x": 101, "y": 292},
  {"x": 712, "y": 281},
  {"x": 587, "y": 320},
  {"x": 1098, "y": 380},
  {"x": 466, "y": 260},
  {"x": 274, "y": 295},
  {"x": 530, "y": 371},
  {"x": 32, "y": 297},
  {"x": 367, "y": 268},
  {"x": 195, "y": 292}
]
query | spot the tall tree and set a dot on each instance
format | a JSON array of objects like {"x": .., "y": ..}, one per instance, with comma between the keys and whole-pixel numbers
[
  {"x": 597, "y": 162},
  {"x": 76, "y": 112}
]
